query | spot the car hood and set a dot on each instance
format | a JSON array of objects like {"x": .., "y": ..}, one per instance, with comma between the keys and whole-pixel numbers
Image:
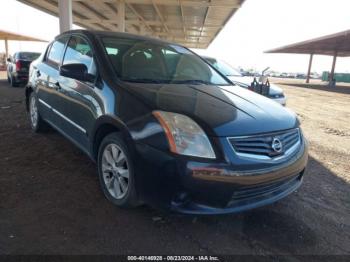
[
  {"x": 220, "y": 110},
  {"x": 247, "y": 80},
  {"x": 275, "y": 90}
]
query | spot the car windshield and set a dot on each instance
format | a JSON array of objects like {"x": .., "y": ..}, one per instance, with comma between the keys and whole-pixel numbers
[
  {"x": 144, "y": 61},
  {"x": 28, "y": 56},
  {"x": 223, "y": 67}
]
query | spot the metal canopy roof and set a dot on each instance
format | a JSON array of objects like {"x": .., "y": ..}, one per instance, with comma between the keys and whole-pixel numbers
[
  {"x": 5, "y": 35},
  {"x": 193, "y": 23},
  {"x": 338, "y": 44}
]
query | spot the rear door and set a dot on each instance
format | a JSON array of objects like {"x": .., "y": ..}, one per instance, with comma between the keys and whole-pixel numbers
[{"x": 47, "y": 73}]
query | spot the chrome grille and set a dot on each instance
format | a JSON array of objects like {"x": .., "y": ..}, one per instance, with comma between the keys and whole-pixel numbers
[{"x": 261, "y": 145}]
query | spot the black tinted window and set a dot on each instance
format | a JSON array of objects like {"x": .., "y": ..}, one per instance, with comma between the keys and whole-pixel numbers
[
  {"x": 147, "y": 61},
  {"x": 56, "y": 52},
  {"x": 79, "y": 52},
  {"x": 28, "y": 56}
]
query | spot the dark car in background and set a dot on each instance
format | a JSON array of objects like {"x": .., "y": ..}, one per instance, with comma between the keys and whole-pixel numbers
[
  {"x": 163, "y": 126},
  {"x": 275, "y": 93},
  {"x": 18, "y": 67}
]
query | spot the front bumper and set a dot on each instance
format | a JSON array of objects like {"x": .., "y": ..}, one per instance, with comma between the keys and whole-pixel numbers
[
  {"x": 245, "y": 198},
  {"x": 191, "y": 186}
]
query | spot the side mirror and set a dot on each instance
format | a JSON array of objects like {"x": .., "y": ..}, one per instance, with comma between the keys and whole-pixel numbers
[{"x": 76, "y": 71}]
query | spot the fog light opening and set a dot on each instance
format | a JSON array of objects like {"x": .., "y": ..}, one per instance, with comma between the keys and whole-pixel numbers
[{"x": 181, "y": 199}]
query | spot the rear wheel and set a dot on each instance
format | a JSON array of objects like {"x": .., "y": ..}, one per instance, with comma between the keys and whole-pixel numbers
[
  {"x": 13, "y": 81},
  {"x": 116, "y": 171},
  {"x": 37, "y": 124}
]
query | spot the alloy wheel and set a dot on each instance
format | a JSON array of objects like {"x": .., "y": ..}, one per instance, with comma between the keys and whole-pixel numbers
[
  {"x": 115, "y": 171},
  {"x": 33, "y": 111}
]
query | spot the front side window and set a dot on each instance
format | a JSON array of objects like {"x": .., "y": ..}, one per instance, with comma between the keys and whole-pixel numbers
[
  {"x": 55, "y": 54},
  {"x": 79, "y": 52},
  {"x": 136, "y": 60}
]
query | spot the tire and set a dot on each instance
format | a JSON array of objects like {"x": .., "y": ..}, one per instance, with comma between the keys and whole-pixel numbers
[
  {"x": 116, "y": 172},
  {"x": 13, "y": 81},
  {"x": 37, "y": 124}
]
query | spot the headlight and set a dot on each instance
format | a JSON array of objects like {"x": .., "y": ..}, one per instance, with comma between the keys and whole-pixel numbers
[{"x": 185, "y": 137}]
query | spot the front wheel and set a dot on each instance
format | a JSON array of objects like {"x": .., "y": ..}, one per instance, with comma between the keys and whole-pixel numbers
[
  {"x": 116, "y": 171},
  {"x": 36, "y": 122}
]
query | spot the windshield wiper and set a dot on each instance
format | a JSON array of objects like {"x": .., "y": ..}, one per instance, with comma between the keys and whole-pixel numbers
[
  {"x": 192, "y": 81},
  {"x": 145, "y": 80}
]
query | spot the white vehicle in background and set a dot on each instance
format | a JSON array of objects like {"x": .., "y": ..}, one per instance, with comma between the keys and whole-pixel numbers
[{"x": 275, "y": 92}]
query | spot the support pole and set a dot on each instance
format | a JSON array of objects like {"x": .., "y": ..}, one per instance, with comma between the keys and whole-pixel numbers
[
  {"x": 331, "y": 75},
  {"x": 309, "y": 69},
  {"x": 6, "y": 48},
  {"x": 121, "y": 15},
  {"x": 65, "y": 15},
  {"x": 142, "y": 30}
]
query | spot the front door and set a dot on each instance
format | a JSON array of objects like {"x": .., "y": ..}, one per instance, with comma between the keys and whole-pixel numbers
[{"x": 79, "y": 104}]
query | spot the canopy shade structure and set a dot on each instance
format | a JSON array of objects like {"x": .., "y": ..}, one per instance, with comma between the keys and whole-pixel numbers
[
  {"x": 326, "y": 45},
  {"x": 334, "y": 45},
  {"x": 193, "y": 23},
  {"x": 5, "y": 35},
  {"x": 18, "y": 37}
]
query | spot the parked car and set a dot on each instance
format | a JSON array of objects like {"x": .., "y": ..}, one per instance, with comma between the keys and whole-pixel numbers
[
  {"x": 275, "y": 93},
  {"x": 301, "y": 76},
  {"x": 18, "y": 67},
  {"x": 163, "y": 126}
]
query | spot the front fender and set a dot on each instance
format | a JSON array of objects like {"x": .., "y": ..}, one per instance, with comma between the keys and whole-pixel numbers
[{"x": 105, "y": 125}]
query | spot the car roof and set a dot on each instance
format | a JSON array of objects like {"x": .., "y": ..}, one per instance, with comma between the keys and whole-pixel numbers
[
  {"x": 210, "y": 59},
  {"x": 99, "y": 33},
  {"x": 30, "y": 52},
  {"x": 207, "y": 57}
]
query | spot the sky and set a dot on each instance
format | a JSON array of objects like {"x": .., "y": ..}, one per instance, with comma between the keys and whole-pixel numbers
[{"x": 259, "y": 25}]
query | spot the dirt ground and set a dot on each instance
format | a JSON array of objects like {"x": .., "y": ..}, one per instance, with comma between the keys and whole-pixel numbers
[{"x": 50, "y": 201}]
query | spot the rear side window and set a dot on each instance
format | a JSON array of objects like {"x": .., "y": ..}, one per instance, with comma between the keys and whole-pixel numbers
[
  {"x": 79, "y": 52},
  {"x": 55, "y": 54}
]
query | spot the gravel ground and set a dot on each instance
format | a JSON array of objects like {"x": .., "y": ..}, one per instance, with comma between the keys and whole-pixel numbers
[{"x": 50, "y": 201}]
